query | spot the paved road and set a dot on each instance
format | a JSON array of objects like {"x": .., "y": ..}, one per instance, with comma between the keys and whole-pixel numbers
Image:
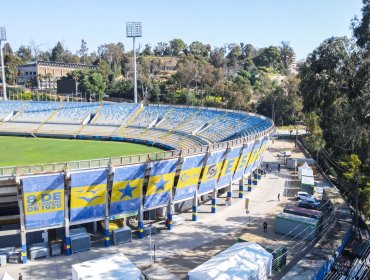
[{"x": 192, "y": 242}]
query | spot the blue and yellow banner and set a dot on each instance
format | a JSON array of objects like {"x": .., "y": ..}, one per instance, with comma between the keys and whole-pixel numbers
[
  {"x": 189, "y": 177},
  {"x": 243, "y": 161},
  {"x": 253, "y": 157},
  {"x": 88, "y": 194},
  {"x": 43, "y": 200},
  {"x": 261, "y": 151},
  {"x": 229, "y": 167},
  {"x": 127, "y": 189},
  {"x": 211, "y": 171},
  {"x": 160, "y": 184}
]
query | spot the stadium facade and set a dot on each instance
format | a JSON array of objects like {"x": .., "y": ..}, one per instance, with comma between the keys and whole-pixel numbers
[{"x": 208, "y": 150}]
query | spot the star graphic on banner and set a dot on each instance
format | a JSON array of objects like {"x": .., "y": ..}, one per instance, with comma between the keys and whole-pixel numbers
[
  {"x": 160, "y": 185},
  {"x": 126, "y": 191}
]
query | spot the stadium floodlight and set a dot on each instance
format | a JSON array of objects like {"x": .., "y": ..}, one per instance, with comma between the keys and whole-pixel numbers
[
  {"x": 133, "y": 30},
  {"x": 3, "y": 38}
]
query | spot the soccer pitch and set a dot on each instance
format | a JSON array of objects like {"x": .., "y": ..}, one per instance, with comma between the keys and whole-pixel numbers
[{"x": 27, "y": 151}]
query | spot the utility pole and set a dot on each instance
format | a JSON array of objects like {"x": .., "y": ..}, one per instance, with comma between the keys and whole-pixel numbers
[{"x": 3, "y": 38}]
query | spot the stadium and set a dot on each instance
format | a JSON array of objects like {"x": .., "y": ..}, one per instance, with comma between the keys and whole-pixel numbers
[{"x": 203, "y": 152}]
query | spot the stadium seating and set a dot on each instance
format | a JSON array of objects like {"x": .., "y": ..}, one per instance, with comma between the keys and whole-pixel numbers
[
  {"x": 176, "y": 126},
  {"x": 114, "y": 114},
  {"x": 74, "y": 113},
  {"x": 150, "y": 114},
  {"x": 37, "y": 111},
  {"x": 8, "y": 107}
]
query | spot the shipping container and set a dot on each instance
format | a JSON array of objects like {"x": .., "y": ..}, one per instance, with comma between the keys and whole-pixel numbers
[
  {"x": 294, "y": 225},
  {"x": 310, "y": 213}
]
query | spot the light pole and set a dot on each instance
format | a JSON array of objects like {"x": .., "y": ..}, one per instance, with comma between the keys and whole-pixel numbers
[
  {"x": 133, "y": 30},
  {"x": 3, "y": 38}
]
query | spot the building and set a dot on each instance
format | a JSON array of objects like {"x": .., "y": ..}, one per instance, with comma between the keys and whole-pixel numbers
[{"x": 44, "y": 74}]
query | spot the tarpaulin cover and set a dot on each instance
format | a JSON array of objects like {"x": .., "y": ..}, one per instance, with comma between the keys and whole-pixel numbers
[
  {"x": 189, "y": 176},
  {"x": 229, "y": 167},
  {"x": 245, "y": 260},
  {"x": 253, "y": 157},
  {"x": 112, "y": 267},
  {"x": 88, "y": 194},
  {"x": 243, "y": 161},
  {"x": 211, "y": 171},
  {"x": 43, "y": 197},
  {"x": 161, "y": 180},
  {"x": 305, "y": 170},
  {"x": 127, "y": 189}
]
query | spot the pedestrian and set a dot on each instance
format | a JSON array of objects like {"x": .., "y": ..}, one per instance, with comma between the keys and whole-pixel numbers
[
  {"x": 267, "y": 166},
  {"x": 20, "y": 277},
  {"x": 279, "y": 167},
  {"x": 265, "y": 227},
  {"x": 278, "y": 196}
]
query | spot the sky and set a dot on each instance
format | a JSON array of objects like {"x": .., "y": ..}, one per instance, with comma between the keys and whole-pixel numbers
[{"x": 304, "y": 23}]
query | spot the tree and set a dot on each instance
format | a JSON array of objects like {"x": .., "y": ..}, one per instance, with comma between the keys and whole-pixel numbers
[
  {"x": 147, "y": 71},
  {"x": 93, "y": 83},
  {"x": 286, "y": 101},
  {"x": 11, "y": 68},
  {"x": 286, "y": 55},
  {"x": 270, "y": 58},
  {"x": 162, "y": 49},
  {"x": 314, "y": 140},
  {"x": 198, "y": 48},
  {"x": 35, "y": 48},
  {"x": 217, "y": 57},
  {"x": 114, "y": 55},
  {"x": 177, "y": 46},
  {"x": 57, "y": 52},
  {"x": 83, "y": 51},
  {"x": 147, "y": 51},
  {"x": 235, "y": 53},
  {"x": 361, "y": 29},
  {"x": 121, "y": 89},
  {"x": 249, "y": 50},
  {"x": 7, "y": 49},
  {"x": 24, "y": 53},
  {"x": 334, "y": 82}
]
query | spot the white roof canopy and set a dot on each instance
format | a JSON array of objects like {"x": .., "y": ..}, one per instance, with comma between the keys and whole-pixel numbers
[
  {"x": 244, "y": 260},
  {"x": 112, "y": 267}
]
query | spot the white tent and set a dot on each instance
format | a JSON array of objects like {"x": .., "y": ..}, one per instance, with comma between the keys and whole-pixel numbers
[
  {"x": 244, "y": 260},
  {"x": 6, "y": 276},
  {"x": 112, "y": 267},
  {"x": 305, "y": 170}
]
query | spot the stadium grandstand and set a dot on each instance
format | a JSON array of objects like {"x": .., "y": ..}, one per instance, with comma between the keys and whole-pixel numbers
[
  {"x": 175, "y": 126},
  {"x": 206, "y": 150}
]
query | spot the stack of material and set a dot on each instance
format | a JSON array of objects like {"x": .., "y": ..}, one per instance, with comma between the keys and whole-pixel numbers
[
  {"x": 80, "y": 240},
  {"x": 244, "y": 260},
  {"x": 39, "y": 250}
]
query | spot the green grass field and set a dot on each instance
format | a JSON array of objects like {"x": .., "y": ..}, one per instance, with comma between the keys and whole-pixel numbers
[{"x": 24, "y": 151}]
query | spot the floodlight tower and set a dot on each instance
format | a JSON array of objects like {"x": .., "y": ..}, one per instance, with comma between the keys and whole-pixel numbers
[
  {"x": 133, "y": 30},
  {"x": 3, "y": 38}
]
